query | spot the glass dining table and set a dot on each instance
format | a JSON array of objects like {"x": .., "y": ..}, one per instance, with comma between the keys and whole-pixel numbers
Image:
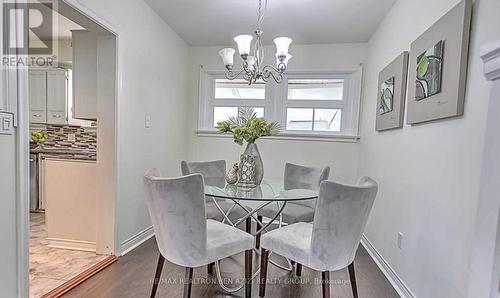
[{"x": 251, "y": 200}]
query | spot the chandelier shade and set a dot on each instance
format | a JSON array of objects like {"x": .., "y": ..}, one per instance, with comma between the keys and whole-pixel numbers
[
  {"x": 227, "y": 56},
  {"x": 282, "y": 45},
  {"x": 243, "y": 42},
  {"x": 251, "y": 61},
  {"x": 252, "y": 58}
]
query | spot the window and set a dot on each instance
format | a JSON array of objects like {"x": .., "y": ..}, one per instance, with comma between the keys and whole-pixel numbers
[
  {"x": 223, "y": 113},
  {"x": 69, "y": 105},
  {"x": 306, "y": 104},
  {"x": 315, "y": 89},
  {"x": 240, "y": 89}
]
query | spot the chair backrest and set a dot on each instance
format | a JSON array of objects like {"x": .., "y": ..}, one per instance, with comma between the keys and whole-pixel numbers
[
  {"x": 213, "y": 172},
  {"x": 339, "y": 221},
  {"x": 297, "y": 176},
  {"x": 177, "y": 210}
]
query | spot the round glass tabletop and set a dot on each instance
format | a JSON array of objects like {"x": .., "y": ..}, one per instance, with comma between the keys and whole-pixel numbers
[{"x": 268, "y": 190}]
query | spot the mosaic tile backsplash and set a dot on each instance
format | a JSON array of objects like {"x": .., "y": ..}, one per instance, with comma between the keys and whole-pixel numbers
[{"x": 85, "y": 137}]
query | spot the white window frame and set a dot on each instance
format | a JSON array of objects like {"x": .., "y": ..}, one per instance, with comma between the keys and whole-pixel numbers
[
  {"x": 208, "y": 101},
  {"x": 276, "y": 103},
  {"x": 349, "y": 104}
]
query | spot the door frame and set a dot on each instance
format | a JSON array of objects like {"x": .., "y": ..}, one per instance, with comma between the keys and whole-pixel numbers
[{"x": 22, "y": 151}]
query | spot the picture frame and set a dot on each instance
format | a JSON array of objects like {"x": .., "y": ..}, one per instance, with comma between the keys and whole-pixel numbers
[
  {"x": 438, "y": 67},
  {"x": 391, "y": 94}
]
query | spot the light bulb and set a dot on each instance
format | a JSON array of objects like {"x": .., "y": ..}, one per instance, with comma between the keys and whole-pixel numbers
[
  {"x": 243, "y": 41},
  {"x": 227, "y": 55},
  {"x": 282, "y": 45}
]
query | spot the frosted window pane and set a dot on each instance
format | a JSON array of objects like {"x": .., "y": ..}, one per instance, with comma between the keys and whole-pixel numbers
[
  {"x": 299, "y": 119},
  {"x": 239, "y": 89},
  {"x": 327, "y": 120},
  {"x": 316, "y": 89},
  {"x": 223, "y": 113}
]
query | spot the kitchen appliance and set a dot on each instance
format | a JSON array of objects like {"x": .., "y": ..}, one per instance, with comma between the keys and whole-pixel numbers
[{"x": 34, "y": 195}]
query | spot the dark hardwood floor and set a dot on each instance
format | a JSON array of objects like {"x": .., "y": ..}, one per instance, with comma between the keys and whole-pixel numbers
[{"x": 132, "y": 276}]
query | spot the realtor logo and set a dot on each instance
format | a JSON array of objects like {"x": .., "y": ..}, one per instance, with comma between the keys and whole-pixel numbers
[{"x": 28, "y": 34}]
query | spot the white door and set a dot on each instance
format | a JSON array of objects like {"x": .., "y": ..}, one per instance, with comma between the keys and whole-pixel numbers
[
  {"x": 56, "y": 97},
  {"x": 38, "y": 96}
]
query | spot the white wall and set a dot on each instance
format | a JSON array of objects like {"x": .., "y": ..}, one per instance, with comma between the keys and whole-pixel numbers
[
  {"x": 341, "y": 157},
  {"x": 429, "y": 173},
  {"x": 8, "y": 223},
  {"x": 153, "y": 75}
]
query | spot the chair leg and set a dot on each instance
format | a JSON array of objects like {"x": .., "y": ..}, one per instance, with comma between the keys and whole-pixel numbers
[
  {"x": 248, "y": 273},
  {"x": 188, "y": 281},
  {"x": 156, "y": 281},
  {"x": 299, "y": 269},
  {"x": 264, "y": 257},
  {"x": 257, "y": 238},
  {"x": 248, "y": 225},
  {"x": 352, "y": 275},
  {"x": 210, "y": 268},
  {"x": 325, "y": 282}
]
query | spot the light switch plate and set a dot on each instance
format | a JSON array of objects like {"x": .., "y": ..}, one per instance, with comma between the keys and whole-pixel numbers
[
  {"x": 147, "y": 121},
  {"x": 6, "y": 123},
  {"x": 71, "y": 137}
]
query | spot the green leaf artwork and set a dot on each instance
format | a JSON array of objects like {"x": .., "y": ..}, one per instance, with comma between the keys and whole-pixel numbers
[
  {"x": 423, "y": 66},
  {"x": 429, "y": 71}
]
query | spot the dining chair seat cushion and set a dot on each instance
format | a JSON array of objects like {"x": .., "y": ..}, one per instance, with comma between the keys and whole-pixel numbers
[
  {"x": 224, "y": 241},
  {"x": 292, "y": 241},
  {"x": 331, "y": 241},
  {"x": 214, "y": 213},
  {"x": 292, "y": 213}
]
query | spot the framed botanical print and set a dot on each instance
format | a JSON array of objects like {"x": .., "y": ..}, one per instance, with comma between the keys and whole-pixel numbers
[
  {"x": 438, "y": 67},
  {"x": 391, "y": 94}
]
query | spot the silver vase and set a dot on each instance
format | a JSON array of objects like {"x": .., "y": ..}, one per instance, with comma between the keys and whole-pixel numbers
[{"x": 253, "y": 150}]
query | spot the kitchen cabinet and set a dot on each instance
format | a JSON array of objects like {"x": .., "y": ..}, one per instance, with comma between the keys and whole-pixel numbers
[
  {"x": 84, "y": 75},
  {"x": 47, "y": 96},
  {"x": 38, "y": 96},
  {"x": 56, "y": 97}
]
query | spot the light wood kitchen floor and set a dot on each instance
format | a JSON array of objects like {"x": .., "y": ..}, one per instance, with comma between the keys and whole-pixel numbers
[
  {"x": 51, "y": 267},
  {"x": 132, "y": 276}
]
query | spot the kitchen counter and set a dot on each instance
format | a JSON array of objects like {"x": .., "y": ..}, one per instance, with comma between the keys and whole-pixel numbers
[
  {"x": 70, "y": 193},
  {"x": 65, "y": 153}
]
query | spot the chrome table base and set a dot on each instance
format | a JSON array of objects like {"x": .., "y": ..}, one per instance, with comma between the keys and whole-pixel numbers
[{"x": 250, "y": 214}]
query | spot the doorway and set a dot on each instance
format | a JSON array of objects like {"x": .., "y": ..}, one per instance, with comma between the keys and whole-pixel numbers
[{"x": 71, "y": 223}]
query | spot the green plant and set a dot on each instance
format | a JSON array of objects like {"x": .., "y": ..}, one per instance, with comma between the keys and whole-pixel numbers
[
  {"x": 247, "y": 127},
  {"x": 39, "y": 136}
]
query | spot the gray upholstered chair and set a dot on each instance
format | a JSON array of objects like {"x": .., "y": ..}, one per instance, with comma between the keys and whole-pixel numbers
[
  {"x": 297, "y": 176},
  {"x": 184, "y": 236},
  {"x": 330, "y": 242},
  {"x": 214, "y": 173}
]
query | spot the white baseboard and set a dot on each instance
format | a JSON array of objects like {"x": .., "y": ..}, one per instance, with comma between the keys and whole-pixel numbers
[
  {"x": 398, "y": 284},
  {"x": 136, "y": 240},
  {"x": 72, "y": 244}
]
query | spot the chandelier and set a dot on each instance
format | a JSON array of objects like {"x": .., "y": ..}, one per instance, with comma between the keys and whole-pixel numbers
[{"x": 253, "y": 68}]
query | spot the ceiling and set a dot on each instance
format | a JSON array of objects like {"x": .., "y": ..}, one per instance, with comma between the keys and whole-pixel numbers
[{"x": 216, "y": 22}]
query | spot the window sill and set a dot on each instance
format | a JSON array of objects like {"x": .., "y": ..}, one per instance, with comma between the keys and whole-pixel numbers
[{"x": 296, "y": 136}]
